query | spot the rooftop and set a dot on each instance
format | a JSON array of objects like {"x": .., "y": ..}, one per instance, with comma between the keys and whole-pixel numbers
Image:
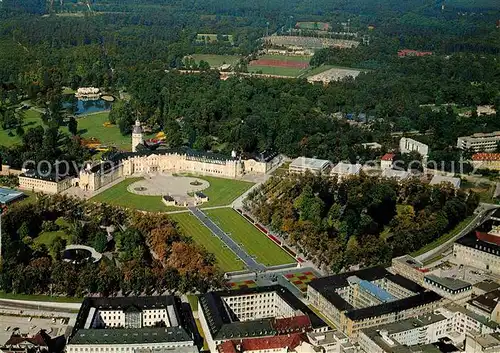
[
  {"x": 487, "y": 286},
  {"x": 9, "y": 195},
  {"x": 410, "y": 261},
  {"x": 346, "y": 169},
  {"x": 488, "y": 341},
  {"x": 309, "y": 163},
  {"x": 388, "y": 157},
  {"x": 224, "y": 325},
  {"x": 253, "y": 344},
  {"x": 486, "y": 157},
  {"x": 397, "y": 174},
  {"x": 486, "y": 302},
  {"x": 453, "y": 284},
  {"x": 130, "y": 336}
]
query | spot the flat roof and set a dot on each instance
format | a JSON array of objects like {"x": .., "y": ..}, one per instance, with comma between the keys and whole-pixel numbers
[
  {"x": 488, "y": 341},
  {"x": 327, "y": 287},
  {"x": 222, "y": 325},
  {"x": 346, "y": 168},
  {"x": 130, "y": 336},
  {"x": 453, "y": 284},
  {"x": 487, "y": 285},
  {"x": 309, "y": 163},
  {"x": 9, "y": 195}
]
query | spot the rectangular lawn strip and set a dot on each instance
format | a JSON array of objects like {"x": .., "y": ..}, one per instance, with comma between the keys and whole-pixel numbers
[
  {"x": 254, "y": 241},
  {"x": 39, "y": 298},
  {"x": 273, "y": 70},
  {"x": 222, "y": 192},
  {"x": 119, "y": 195},
  {"x": 216, "y": 60},
  {"x": 191, "y": 226}
]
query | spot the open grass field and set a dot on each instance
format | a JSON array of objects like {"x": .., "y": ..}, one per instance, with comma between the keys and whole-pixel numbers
[
  {"x": 31, "y": 119},
  {"x": 313, "y": 25},
  {"x": 190, "y": 225},
  {"x": 253, "y": 241},
  {"x": 216, "y": 60},
  {"x": 222, "y": 192},
  {"x": 47, "y": 237},
  {"x": 272, "y": 70},
  {"x": 119, "y": 195}
]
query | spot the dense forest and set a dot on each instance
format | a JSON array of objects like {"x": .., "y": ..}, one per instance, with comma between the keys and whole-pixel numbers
[
  {"x": 360, "y": 220},
  {"x": 142, "y": 253}
]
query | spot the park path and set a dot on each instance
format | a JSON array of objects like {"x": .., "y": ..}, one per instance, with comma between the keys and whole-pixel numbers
[{"x": 226, "y": 239}]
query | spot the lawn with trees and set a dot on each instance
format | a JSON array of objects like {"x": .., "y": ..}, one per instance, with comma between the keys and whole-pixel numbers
[
  {"x": 253, "y": 240},
  {"x": 359, "y": 220},
  {"x": 226, "y": 259}
]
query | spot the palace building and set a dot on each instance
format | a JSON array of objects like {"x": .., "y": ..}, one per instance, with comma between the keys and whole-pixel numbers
[{"x": 146, "y": 160}]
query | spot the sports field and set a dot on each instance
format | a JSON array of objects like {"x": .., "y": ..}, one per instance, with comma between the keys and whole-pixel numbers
[
  {"x": 216, "y": 60},
  {"x": 119, "y": 195},
  {"x": 222, "y": 192},
  {"x": 253, "y": 241},
  {"x": 280, "y": 65},
  {"x": 191, "y": 226}
]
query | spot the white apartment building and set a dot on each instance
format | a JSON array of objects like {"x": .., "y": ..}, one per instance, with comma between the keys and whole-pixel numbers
[
  {"x": 303, "y": 164},
  {"x": 130, "y": 325},
  {"x": 480, "y": 142},
  {"x": 407, "y": 145},
  {"x": 252, "y": 313}
]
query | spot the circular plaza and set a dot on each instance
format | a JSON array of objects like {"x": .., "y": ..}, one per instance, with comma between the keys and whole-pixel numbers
[{"x": 177, "y": 186}]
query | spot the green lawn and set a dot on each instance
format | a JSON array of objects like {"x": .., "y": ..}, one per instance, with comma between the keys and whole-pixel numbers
[
  {"x": 31, "y": 119},
  {"x": 272, "y": 70},
  {"x": 212, "y": 37},
  {"x": 444, "y": 238},
  {"x": 39, "y": 298},
  {"x": 47, "y": 237},
  {"x": 254, "y": 241},
  {"x": 92, "y": 126},
  {"x": 216, "y": 60},
  {"x": 119, "y": 195},
  {"x": 222, "y": 192},
  {"x": 190, "y": 225}
]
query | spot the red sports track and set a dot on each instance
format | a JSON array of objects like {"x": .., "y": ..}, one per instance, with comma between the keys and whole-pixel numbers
[{"x": 280, "y": 63}]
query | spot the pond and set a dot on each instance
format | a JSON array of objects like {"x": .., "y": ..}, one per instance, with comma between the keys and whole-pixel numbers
[{"x": 80, "y": 106}]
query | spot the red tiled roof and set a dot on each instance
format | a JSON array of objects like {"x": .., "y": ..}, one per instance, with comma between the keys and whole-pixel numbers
[
  {"x": 292, "y": 324},
  {"x": 486, "y": 157},
  {"x": 41, "y": 339},
  {"x": 388, "y": 157},
  {"x": 253, "y": 344},
  {"x": 489, "y": 238}
]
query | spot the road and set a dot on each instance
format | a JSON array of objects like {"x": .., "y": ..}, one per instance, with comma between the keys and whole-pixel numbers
[
  {"x": 226, "y": 239},
  {"x": 484, "y": 211}
]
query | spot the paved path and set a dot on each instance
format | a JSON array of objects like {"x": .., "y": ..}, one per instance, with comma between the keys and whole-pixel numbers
[
  {"x": 484, "y": 212},
  {"x": 226, "y": 239}
]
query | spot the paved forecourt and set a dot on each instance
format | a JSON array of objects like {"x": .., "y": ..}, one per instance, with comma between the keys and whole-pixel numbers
[
  {"x": 256, "y": 243},
  {"x": 227, "y": 260}
]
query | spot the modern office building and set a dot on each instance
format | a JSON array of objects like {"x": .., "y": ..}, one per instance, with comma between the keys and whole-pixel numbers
[
  {"x": 302, "y": 164},
  {"x": 131, "y": 325},
  {"x": 370, "y": 297},
  {"x": 480, "y": 142},
  {"x": 254, "y": 313}
]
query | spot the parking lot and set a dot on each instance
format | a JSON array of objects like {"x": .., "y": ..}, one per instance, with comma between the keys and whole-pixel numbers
[{"x": 26, "y": 325}]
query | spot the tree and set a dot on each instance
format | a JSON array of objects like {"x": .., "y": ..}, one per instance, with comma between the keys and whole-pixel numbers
[{"x": 73, "y": 126}]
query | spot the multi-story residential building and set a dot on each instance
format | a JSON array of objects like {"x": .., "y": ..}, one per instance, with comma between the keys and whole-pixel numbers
[
  {"x": 302, "y": 164},
  {"x": 486, "y": 305},
  {"x": 130, "y": 325},
  {"x": 451, "y": 323},
  {"x": 254, "y": 313},
  {"x": 370, "y": 297},
  {"x": 480, "y": 142},
  {"x": 481, "y": 247},
  {"x": 407, "y": 145}
]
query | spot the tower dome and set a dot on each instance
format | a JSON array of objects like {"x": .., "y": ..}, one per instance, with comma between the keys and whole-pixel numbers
[{"x": 137, "y": 138}]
